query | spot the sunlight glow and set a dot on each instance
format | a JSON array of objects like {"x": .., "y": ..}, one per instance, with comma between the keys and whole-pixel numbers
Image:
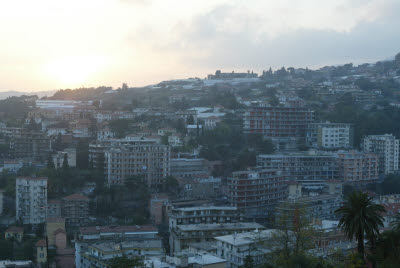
[{"x": 74, "y": 71}]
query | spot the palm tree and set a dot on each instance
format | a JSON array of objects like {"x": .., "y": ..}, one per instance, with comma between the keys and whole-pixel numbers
[
  {"x": 360, "y": 218},
  {"x": 396, "y": 222}
]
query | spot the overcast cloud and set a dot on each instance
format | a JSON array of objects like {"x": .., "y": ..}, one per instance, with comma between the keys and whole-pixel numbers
[{"x": 146, "y": 41}]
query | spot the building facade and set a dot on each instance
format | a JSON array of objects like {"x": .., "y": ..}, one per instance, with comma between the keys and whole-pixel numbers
[
  {"x": 256, "y": 191},
  {"x": 386, "y": 147},
  {"x": 277, "y": 122},
  {"x": 31, "y": 199},
  {"x": 75, "y": 209},
  {"x": 312, "y": 167},
  {"x": 358, "y": 168},
  {"x": 330, "y": 135}
]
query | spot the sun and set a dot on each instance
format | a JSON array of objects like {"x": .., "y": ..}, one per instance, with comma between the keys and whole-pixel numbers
[{"x": 74, "y": 71}]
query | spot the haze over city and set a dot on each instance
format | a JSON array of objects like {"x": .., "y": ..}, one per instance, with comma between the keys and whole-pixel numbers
[
  {"x": 50, "y": 45},
  {"x": 200, "y": 133}
]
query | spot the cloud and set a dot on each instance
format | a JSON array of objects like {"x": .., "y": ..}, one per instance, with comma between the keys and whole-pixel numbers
[{"x": 230, "y": 37}]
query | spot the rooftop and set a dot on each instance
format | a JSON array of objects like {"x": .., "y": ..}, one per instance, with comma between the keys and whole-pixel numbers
[
  {"x": 200, "y": 208},
  {"x": 15, "y": 229},
  {"x": 117, "y": 229},
  {"x": 246, "y": 238},
  {"x": 220, "y": 226}
]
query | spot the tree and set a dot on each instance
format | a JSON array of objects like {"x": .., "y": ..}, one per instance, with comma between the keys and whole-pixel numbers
[
  {"x": 58, "y": 145},
  {"x": 190, "y": 120},
  {"x": 50, "y": 163},
  {"x": 65, "y": 164},
  {"x": 360, "y": 218},
  {"x": 397, "y": 59},
  {"x": 82, "y": 154},
  {"x": 124, "y": 262},
  {"x": 248, "y": 262},
  {"x": 294, "y": 236}
]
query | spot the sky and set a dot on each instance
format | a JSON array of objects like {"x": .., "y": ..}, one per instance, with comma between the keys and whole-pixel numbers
[{"x": 47, "y": 44}]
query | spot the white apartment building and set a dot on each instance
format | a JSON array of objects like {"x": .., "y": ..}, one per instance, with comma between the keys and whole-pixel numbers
[
  {"x": 386, "y": 147},
  {"x": 330, "y": 135},
  {"x": 235, "y": 247},
  {"x": 31, "y": 199}
]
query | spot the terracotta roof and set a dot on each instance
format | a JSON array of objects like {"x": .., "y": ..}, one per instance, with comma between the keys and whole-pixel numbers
[
  {"x": 15, "y": 229},
  {"x": 59, "y": 230},
  {"x": 41, "y": 243},
  {"x": 76, "y": 197},
  {"x": 392, "y": 208},
  {"x": 117, "y": 229}
]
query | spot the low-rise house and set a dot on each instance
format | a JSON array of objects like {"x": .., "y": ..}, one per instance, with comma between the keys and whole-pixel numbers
[
  {"x": 14, "y": 232},
  {"x": 41, "y": 252},
  {"x": 105, "y": 133},
  {"x": 175, "y": 140},
  {"x": 211, "y": 122},
  {"x": 52, "y": 225}
]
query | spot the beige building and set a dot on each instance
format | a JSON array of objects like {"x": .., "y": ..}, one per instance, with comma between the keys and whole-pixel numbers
[
  {"x": 41, "y": 252},
  {"x": 53, "y": 224}
]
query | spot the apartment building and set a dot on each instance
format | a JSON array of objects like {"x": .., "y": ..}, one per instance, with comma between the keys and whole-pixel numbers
[
  {"x": 28, "y": 145},
  {"x": 75, "y": 209},
  {"x": 358, "y": 168},
  {"x": 149, "y": 160},
  {"x": 183, "y": 235},
  {"x": 311, "y": 167},
  {"x": 277, "y": 122},
  {"x": 31, "y": 199},
  {"x": 96, "y": 235},
  {"x": 234, "y": 248},
  {"x": 131, "y": 156},
  {"x": 256, "y": 191},
  {"x": 330, "y": 135},
  {"x": 386, "y": 147},
  {"x": 321, "y": 207},
  {"x": 203, "y": 215},
  {"x": 188, "y": 168}
]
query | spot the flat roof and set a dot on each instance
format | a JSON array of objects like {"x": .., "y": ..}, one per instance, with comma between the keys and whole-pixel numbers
[
  {"x": 219, "y": 226},
  {"x": 246, "y": 238},
  {"x": 200, "y": 208}
]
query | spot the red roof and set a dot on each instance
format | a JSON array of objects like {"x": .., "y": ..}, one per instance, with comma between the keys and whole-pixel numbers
[
  {"x": 15, "y": 229},
  {"x": 76, "y": 197},
  {"x": 117, "y": 229},
  {"x": 392, "y": 208},
  {"x": 59, "y": 230},
  {"x": 41, "y": 243}
]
